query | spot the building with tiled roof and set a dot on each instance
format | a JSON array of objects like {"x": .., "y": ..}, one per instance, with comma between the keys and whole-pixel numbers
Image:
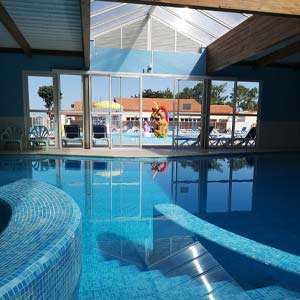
[
  {"x": 189, "y": 112},
  {"x": 187, "y": 106}
]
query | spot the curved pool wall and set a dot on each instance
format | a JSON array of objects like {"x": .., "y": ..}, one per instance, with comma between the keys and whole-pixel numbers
[
  {"x": 5, "y": 215},
  {"x": 40, "y": 249}
]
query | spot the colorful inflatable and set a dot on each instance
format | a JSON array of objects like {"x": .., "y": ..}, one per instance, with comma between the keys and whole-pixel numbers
[
  {"x": 160, "y": 121},
  {"x": 159, "y": 167}
]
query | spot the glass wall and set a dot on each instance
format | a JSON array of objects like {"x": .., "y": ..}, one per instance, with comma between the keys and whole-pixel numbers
[
  {"x": 188, "y": 107},
  {"x": 71, "y": 110},
  {"x": 125, "y": 111},
  {"x": 233, "y": 114},
  {"x": 100, "y": 119},
  {"x": 41, "y": 104},
  {"x": 158, "y": 91},
  {"x": 121, "y": 111}
]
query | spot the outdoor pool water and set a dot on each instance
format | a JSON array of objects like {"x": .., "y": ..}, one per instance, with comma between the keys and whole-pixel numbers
[{"x": 135, "y": 247}]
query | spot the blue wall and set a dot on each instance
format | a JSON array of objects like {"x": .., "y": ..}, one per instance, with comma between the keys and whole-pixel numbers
[
  {"x": 279, "y": 106},
  {"x": 134, "y": 61},
  {"x": 12, "y": 66},
  {"x": 280, "y": 90}
]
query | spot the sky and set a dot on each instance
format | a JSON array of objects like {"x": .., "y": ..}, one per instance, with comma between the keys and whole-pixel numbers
[{"x": 71, "y": 88}]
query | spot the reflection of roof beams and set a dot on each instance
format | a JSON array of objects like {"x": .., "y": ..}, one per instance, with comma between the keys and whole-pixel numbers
[
  {"x": 12, "y": 28},
  {"x": 85, "y": 24},
  {"x": 215, "y": 19},
  {"x": 190, "y": 23},
  {"x": 278, "y": 55},
  {"x": 118, "y": 18},
  {"x": 249, "y": 38},
  {"x": 102, "y": 11},
  {"x": 282, "y": 7}
]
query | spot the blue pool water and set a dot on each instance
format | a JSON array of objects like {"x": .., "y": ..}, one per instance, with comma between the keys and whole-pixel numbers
[{"x": 133, "y": 251}]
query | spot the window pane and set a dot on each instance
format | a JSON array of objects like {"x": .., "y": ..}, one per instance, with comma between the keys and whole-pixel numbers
[
  {"x": 71, "y": 113},
  {"x": 40, "y": 90}
]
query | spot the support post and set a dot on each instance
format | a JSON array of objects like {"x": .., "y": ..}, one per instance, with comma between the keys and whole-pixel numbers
[
  {"x": 86, "y": 111},
  {"x": 205, "y": 114}
]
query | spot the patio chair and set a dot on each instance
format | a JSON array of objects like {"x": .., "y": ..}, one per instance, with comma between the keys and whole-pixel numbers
[
  {"x": 39, "y": 136},
  {"x": 242, "y": 133},
  {"x": 191, "y": 141},
  {"x": 12, "y": 135},
  {"x": 100, "y": 134},
  {"x": 248, "y": 140},
  {"x": 72, "y": 135}
]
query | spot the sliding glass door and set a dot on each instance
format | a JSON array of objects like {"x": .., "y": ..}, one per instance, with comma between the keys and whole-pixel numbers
[{"x": 41, "y": 105}]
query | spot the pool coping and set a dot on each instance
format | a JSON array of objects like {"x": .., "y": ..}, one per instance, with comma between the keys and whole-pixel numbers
[
  {"x": 34, "y": 242},
  {"x": 137, "y": 153},
  {"x": 259, "y": 252}
]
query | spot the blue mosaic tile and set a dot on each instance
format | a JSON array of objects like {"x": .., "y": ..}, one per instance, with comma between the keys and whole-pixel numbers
[{"x": 40, "y": 250}]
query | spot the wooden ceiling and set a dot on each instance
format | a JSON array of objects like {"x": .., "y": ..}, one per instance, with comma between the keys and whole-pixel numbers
[
  {"x": 23, "y": 40},
  {"x": 281, "y": 7}
]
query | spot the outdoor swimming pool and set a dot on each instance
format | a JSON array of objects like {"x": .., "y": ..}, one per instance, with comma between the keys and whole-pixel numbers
[{"x": 136, "y": 246}]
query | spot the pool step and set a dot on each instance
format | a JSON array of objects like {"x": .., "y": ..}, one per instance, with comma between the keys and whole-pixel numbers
[
  {"x": 274, "y": 292},
  {"x": 189, "y": 272}
]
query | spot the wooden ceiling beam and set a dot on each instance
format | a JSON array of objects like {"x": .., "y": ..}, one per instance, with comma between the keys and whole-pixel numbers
[
  {"x": 42, "y": 52},
  {"x": 85, "y": 25},
  {"x": 256, "y": 34},
  {"x": 281, "y": 7},
  {"x": 278, "y": 55},
  {"x": 12, "y": 28}
]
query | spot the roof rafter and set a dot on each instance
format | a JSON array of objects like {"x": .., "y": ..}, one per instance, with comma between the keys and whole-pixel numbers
[
  {"x": 190, "y": 23},
  {"x": 278, "y": 55},
  {"x": 102, "y": 11},
  {"x": 43, "y": 52},
  {"x": 85, "y": 24},
  {"x": 12, "y": 28},
  {"x": 256, "y": 34},
  {"x": 281, "y": 7}
]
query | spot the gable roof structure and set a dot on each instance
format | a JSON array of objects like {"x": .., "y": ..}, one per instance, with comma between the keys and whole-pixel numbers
[{"x": 113, "y": 23}]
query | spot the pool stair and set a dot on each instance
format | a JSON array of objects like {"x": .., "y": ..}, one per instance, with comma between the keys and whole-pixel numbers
[{"x": 189, "y": 272}]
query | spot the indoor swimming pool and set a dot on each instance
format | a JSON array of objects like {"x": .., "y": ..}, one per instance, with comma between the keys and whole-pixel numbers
[{"x": 212, "y": 228}]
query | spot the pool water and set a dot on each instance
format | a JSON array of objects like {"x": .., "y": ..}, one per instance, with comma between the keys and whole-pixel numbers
[{"x": 132, "y": 251}]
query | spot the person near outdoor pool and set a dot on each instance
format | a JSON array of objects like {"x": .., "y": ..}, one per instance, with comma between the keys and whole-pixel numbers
[{"x": 146, "y": 127}]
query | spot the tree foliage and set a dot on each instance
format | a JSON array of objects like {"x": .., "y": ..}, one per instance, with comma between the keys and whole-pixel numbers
[
  {"x": 218, "y": 94},
  {"x": 149, "y": 93},
  {"x": 46, "y": 93},
  {"x": 246, "y": 99}
]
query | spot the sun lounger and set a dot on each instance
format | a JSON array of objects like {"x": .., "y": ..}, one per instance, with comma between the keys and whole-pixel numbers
[
  {"x": 100, "y": 134},
  {"x": 72, "y": 135},
  {"x": 190, "y": 141},
  {"x": 225, "y": 141}
]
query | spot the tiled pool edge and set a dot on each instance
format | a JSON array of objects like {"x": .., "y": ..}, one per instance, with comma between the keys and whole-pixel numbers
[
  {"x": 40, "y": 250},
  {"x": 262, "y": 253}
]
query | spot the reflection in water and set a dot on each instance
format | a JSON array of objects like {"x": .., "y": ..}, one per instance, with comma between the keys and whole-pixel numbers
[
  {"x": 158, "y": 167},
  {"x": 117, "y": 199}
]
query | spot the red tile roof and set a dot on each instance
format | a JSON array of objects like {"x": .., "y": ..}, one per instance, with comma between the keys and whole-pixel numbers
[{"x": 133, "y": 104}]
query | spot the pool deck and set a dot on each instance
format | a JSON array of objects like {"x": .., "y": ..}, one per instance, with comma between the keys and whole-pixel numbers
[{"x": 144, "y": 152}]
